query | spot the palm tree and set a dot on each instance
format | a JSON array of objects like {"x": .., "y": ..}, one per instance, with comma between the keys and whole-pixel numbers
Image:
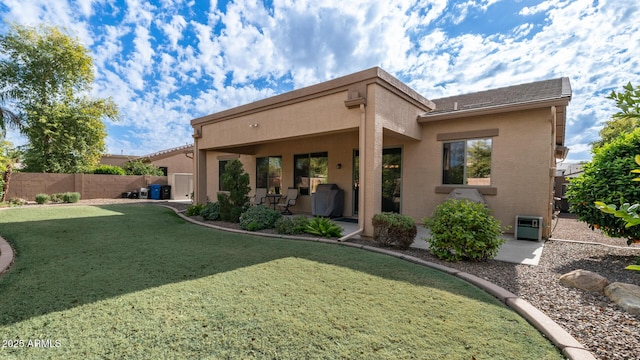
[{"x": 7, "y": 117}]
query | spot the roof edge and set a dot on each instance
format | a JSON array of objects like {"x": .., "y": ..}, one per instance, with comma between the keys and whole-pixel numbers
[
  {"x": 495, "y": 109},
  {"x": 371, "y": 75}
]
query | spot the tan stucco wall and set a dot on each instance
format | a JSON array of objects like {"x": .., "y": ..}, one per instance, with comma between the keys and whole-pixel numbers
[
  {"x": 340, "y": 150},
  {"x": 519, "y": 170},
  {"x": 316, "y": 116},
  {"x": 176, "y": 163}
]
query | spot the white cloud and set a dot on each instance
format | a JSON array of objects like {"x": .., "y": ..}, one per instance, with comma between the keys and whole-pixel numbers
[{"x": 174, "y": 30}]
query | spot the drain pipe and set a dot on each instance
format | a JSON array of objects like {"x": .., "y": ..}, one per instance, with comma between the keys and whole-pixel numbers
[{"x": 361, "y": 177}]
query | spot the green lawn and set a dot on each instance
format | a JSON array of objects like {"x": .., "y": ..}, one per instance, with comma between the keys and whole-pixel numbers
[{"x": 136, "y": 281}]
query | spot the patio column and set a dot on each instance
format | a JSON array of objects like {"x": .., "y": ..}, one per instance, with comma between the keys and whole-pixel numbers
[
  {"x": 200, "y": 178},
  {"x": 372, "y": 171}
]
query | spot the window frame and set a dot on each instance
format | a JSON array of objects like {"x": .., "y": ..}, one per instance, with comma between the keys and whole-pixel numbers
[
  {"x": 311, "y": 186},
  {"x": 274, "y": 182},
  {"x": 465, "y": 161}
]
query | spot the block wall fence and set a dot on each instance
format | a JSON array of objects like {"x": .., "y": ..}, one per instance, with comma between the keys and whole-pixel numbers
[{"x": 90, "y": 186}]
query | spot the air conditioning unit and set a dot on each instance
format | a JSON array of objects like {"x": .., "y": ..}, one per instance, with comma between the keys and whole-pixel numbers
[{"x": 528, "y": 228}]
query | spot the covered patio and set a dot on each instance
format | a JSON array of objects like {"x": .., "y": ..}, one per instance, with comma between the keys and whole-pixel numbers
[{"x": 349, "y": 132}]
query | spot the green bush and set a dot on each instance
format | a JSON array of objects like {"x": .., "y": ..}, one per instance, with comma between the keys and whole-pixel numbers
[
  {"x": 195, "y": 209},
  {"x": 211, "y": 211},
  {"x": 42, "y": 198},
  {"x": 463, "y": 230},
  {"x": 394, "y": 229},
  {"x": 292, "y": 225},
  {"x": 17, "y": 202},
  {"x": 71, "y": 197},
  {"x": 56, "y": 198},
  {"x": 258, "y": 218},
  {"x": 109, "y": 170},
  {"x": 607, "y": 178},
  {"x": 323, "y": 227},
  {"x": 68, "y": 197},
  {"x": 138, "y": 167}
]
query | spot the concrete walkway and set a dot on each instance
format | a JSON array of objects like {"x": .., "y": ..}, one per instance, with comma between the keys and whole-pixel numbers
[{"x": 513, "y": 251}]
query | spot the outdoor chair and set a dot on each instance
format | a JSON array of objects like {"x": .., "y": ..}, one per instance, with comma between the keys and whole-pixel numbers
[
  {"x": 260, "y": 197},
  {"x": 289, "y": 200}
]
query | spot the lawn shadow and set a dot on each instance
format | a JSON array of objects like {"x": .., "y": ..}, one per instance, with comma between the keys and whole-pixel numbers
[{"x": 64, "y": 263}]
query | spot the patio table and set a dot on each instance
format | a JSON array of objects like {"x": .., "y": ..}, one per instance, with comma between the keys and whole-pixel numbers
[{"x": 274, "y": 199}]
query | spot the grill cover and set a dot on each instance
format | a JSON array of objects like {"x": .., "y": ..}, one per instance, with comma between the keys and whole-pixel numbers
[
  {"x": 328, "y": 200},
  {"x": 466, "y": 194}
]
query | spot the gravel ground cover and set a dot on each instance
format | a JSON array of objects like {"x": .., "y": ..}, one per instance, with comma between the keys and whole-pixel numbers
[{"x": 606, "y": 330}]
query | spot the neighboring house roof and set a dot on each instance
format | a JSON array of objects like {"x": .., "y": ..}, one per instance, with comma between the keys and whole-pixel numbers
[
  {"x": 553, "y": 92},
  {"x": 168, "y": 152}
]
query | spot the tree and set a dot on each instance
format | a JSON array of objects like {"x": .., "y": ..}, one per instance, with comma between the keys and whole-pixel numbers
[
  {"x": 624, "y": 121},
  {"x": 48, "y": 75},
  {"x": 8, "y": 158},
  {"x": 479, "y": 159},
  {"x": 233, "y": 204}
]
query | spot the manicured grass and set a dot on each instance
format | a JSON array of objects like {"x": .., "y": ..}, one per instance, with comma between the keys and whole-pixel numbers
[{"x": 136, "y": 281}]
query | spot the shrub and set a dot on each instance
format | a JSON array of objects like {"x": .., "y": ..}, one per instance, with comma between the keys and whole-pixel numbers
[
  {"x": 608, "y": 179},
  {"x": 292, "y": 225},
  {"x": 138, "y": 167},
  {"x": 463, "y": 230},
  {"x": 17, "y": 202},
  {"x": 42, "y": 198},
  {"x": 323, "y": 227},
  {"x": 56, "y": 198},
  {"x": 394, "y": 229},
  {"x": 211, "y": 211},
  {"x": 195, "y": 209},
  {"x": 109, "y": 170},
  {"x": 258, "y": 218},
  {"x": 71, "y": 197}
]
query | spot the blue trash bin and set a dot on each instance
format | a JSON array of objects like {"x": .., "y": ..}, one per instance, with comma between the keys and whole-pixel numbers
[{"x": 154, "y": 191}]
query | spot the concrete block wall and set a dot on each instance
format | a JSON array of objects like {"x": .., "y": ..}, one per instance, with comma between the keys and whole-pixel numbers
[{"x": 90, "y": 186}]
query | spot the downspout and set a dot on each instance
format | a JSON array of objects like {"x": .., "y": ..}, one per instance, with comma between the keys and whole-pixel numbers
[
  {"x": 552, "y": 171},
  {"x": 361, "y": 174}
]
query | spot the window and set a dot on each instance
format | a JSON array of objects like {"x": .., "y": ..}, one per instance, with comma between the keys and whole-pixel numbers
[
  {"x": 309, "y": 171},
  {"x": 221, "y": 168},
  {"x": 164, "y": 169},
  {"x": 467, "y": 162},
  {"x": 268, "y": 173}
]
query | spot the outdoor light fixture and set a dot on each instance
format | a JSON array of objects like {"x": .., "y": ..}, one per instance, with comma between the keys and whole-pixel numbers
[
  {"x": 254, "y": 125},
  {"x": 339, "y": 166}
]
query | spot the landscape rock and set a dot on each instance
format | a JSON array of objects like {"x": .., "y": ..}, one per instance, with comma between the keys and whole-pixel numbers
[
  {"x": 585, "y": 280},
  {"x": 627, "y": 296}
]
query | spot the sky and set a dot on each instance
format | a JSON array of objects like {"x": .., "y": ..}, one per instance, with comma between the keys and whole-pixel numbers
[{"x": 167, "y": 62}]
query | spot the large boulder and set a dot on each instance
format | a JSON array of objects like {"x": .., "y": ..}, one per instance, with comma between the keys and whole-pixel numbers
[
  {"x": 627, "y": 296},
  {"x": 585, "y": 280}
]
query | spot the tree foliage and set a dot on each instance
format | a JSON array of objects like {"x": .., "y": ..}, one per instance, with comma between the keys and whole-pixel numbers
[
  {"x": 139, "y": 167},
  {"x": 233, "y": 204},
  {"x": 479, "y": 159},
  {"x": 9, "y": 156},
  {"x": 607, "y": 178},
  {"x": 47, "y": 75},
  {"x": 624, "y": 121}
]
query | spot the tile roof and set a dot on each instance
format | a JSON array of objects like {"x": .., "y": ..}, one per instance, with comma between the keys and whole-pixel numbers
[
  {"x": 167, "y": 151},
  {"x": 540, "y": 91}
]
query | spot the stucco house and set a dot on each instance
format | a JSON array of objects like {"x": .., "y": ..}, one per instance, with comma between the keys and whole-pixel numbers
[
  {"x": 390, "y": 148},
  {"x": 176, "y": 163}
]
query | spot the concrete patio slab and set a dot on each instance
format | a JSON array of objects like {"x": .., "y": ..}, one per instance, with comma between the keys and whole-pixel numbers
[{"x": 513, "y": 251}]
